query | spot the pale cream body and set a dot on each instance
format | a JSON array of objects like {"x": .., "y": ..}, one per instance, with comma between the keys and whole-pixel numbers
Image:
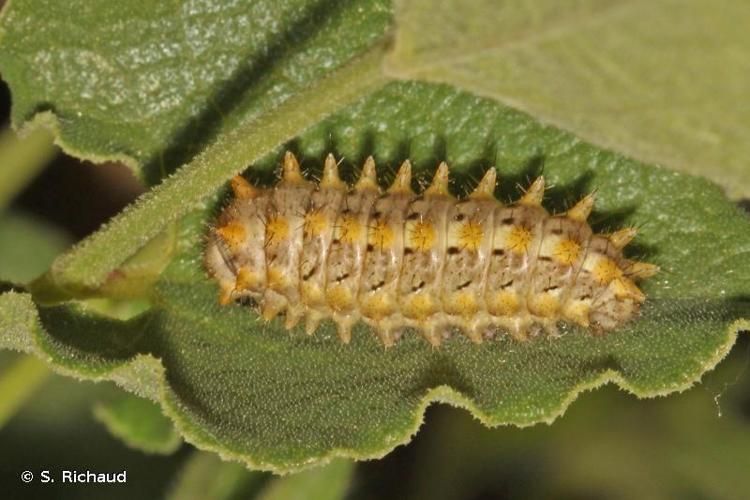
[{"x": 430, "y": 262}]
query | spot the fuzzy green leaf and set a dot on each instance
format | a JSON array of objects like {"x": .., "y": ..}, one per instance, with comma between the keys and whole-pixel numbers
[
  {"x": 152, "y": 84},
  {"x": 282, "y": 401},
  {"x": 658, "y": 80}
]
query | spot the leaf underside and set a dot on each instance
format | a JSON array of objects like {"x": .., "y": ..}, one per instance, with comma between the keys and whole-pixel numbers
[
  {"x": 656, "y": 80},
  {"x": 281, "y": 400},
  {"x": 152, "y": 84}
]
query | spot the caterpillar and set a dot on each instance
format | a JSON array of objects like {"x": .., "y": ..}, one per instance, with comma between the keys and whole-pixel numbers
[{"x": 428, "y": 261}]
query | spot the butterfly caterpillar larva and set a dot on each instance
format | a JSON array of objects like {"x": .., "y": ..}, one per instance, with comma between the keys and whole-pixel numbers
[{"x": 428, "y": 261}]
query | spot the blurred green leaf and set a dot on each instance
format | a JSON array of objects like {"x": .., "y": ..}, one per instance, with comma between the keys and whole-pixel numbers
[
  {"x": 21, "y": 159},
  {"x": 663, "y": 81},
  {"x": 324, "y": 483},
  {"x": 18, "y": 382},
  {"x": 139, "y": 423},
  {"x": 283, "y": 401},
  {"x": 27, "y": 245},
  {"x": 206, "y": 477}
]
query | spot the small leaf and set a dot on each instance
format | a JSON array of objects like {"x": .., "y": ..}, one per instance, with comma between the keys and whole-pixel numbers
[
  {"x": 283, "y": 401},
  {"x": 139, "y": 423},
  {"x": 658, "y": 80},
  {"x": 324, "y": 483},
  {"x": 206, "y": 476}
]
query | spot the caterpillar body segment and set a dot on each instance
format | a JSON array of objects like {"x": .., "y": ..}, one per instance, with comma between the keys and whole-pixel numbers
[{"x": 428, "y": 261}]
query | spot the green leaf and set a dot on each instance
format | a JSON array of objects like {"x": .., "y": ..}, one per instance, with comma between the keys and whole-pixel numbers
[
  {"x": 152, "y": 84},
  {"x": 206, "y": 476},
  {"x": 325, "y": 483},
  {"x": 657, "y": 80},
  {"x": 139, "y": 423},
  {"x": 282, "y": 401}
]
